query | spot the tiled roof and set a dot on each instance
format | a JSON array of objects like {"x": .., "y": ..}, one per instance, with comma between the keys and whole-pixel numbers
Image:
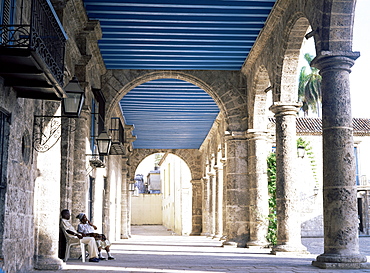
[{"x": 312, "y": 126}]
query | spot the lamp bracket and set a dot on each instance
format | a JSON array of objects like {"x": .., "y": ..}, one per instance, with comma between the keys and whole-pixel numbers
[{"x": 47, "y": 132}]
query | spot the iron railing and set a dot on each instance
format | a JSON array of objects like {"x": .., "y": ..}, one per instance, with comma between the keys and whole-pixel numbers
[{"x": 44, "y": 35}]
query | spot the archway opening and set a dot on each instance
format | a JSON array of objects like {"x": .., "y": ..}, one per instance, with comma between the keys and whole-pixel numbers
[
  {"x": 169, "y": 114},
  {"x": 163, "y": 194}
]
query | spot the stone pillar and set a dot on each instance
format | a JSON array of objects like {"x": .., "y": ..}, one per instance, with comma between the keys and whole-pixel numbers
[
  {"x": 224, "y": 190},
  {"x": 258, "y": 189},
  {"x": 341, "y": 245},
  {"x": 205, "y": 207},
  {"x": 124, "y": 200},
  {"x": 129, "y": 206},
  {"x": 196, "y": 207},
  {"x": 219, "y": 201},
  {"x": 66, "y": 183},
  {"x": 47, "y": 209},
  {"x": 236, "y": 190},
  {"x": 287, "y": 207},
  {"x": 80, "y": 183},
  {"x": 212, "y": 204}
]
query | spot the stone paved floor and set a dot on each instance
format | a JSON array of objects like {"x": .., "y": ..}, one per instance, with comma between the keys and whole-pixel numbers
[{"x": 154, "y": 249}]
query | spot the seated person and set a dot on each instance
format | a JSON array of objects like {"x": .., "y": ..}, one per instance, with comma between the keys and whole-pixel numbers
[
  {"x": 70, "y": 230},
  {"x": 88, "y": 229}
]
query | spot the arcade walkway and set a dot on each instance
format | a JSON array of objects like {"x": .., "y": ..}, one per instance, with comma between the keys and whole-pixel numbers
[{"x": 154, "y": 249}]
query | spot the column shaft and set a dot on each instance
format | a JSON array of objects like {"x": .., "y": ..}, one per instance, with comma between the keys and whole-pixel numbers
[
  {"x": 206, "y": 207},
  {"x": 341, "y": 246},
  {"x": 237, "y": 228},
  {"x": 124, "y": 200},
  {"x": 196, "y": 207},
  {"x": 219, "y": 201},
  {"x": 287, "y": 207},
  {"x": 258, "y": 192}
]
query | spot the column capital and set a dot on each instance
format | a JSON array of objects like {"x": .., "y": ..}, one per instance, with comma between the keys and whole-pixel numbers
[
  {"x": 284, "y": 109},
  {"x": 196, "y": 181},
  {"x": 329, "y": 60},
  {"x": 235, "y": 135},
  {"x": 253, "y": 134}
]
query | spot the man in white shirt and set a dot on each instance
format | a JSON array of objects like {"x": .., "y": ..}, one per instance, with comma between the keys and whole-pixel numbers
[
  {"x": 86, "y": 228},
  {"x": 71, "y": 231}
]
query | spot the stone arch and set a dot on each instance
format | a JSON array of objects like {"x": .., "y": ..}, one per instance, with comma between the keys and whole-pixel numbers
[
  {"x": 191, "y": 157},
  {"x": 225, "y": 87},
  {"x": 336, "y": 30},
  {"x": 296, "y": 30},
  {"x": 260, "y": 87}
]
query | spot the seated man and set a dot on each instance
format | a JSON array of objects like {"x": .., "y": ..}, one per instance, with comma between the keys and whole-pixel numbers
[
  {"x": 90, "y": 241},
  {"x": 86, "y": 228}
]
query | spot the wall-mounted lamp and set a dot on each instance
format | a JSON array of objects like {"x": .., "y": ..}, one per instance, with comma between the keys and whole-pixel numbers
[
  {"x": 103, "y": 142},
  {"x": 44, "y": 140},
  {"x": 301, "y": 151},
  {"x": 72, "y": 105}
]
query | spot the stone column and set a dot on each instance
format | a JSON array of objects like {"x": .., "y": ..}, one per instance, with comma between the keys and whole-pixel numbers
[
  {"x": 287, "y": 207},
  {"x": 47, "y": 209},
  {"x": 258, "y": 189},
  {"x": 196, "y": 207},
  {"x": 341, "y": 245},
  {"x": 80, "y": 183},
  {"x": 236, "y": 190},
  {"x": 212, "y": 204},
  {"x": 129, "y": 206},
  {"x": 205, "y": 207},
  {"x": 219, "y": 200},
  {"x": 224, "y": 190},
  {"x": 124, "y": 200}
]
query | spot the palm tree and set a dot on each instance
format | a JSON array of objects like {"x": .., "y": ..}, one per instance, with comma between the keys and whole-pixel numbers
[{"x": 309, "y": 88}]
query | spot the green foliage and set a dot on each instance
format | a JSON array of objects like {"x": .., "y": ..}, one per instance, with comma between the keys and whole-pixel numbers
[
  {"x": 271, "y": 173},
  {"x": 309, "y": 87}
]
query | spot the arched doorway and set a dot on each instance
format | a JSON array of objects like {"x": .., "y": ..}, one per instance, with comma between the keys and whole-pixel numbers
[{"x": 163, "y": 193}]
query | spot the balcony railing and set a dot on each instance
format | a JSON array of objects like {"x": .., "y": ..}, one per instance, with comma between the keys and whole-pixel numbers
[{"x": 43, "y": 37}]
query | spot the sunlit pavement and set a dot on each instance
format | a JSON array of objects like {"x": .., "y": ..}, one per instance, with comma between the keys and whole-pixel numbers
[{"x": 154, "y": 249}]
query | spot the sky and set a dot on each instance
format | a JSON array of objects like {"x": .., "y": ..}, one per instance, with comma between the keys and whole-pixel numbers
[{"x": 360, "y": 92}]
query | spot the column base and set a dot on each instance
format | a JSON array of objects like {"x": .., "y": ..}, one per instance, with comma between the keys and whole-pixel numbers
[
  {"x": 257, "y": 244},
  {"x": 48, "y": 263},
  {"x": 326, "y": 265},
  {"x": 289, "y": 249},
  {"x": 230, "y": 244},
  {"x": 340, "y": 259}
]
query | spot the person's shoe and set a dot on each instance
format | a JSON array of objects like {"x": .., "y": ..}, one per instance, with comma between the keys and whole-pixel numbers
[
  {"x": 94, "y": 260},
  {"x": 102, "y": 258},
  {"x": 111, "y": 258}
]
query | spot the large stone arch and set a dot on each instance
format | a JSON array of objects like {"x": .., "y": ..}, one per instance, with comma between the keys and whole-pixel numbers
[
  {"x": 192, "y": 158},
  {"x": 286, "y": 89},
  {"x": 336, "y": 26},
  {"x": 261, "y": 85},
  {"x": 227, "y": 88}
]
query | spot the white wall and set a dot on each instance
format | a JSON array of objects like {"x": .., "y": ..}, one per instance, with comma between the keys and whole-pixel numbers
[{"x": 146, "y": 209}]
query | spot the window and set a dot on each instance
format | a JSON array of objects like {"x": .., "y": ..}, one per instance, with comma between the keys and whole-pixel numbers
[{"x": 4, "y": 138}]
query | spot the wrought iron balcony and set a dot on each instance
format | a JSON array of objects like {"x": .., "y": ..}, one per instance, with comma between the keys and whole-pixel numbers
[{"x": 32, "y": 55}]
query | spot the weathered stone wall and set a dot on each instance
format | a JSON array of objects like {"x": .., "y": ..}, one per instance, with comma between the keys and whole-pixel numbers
[{"x": 17, "y": 235}]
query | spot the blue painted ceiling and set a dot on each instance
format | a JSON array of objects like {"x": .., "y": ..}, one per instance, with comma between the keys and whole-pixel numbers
[{"x": 175, "y": 35}]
